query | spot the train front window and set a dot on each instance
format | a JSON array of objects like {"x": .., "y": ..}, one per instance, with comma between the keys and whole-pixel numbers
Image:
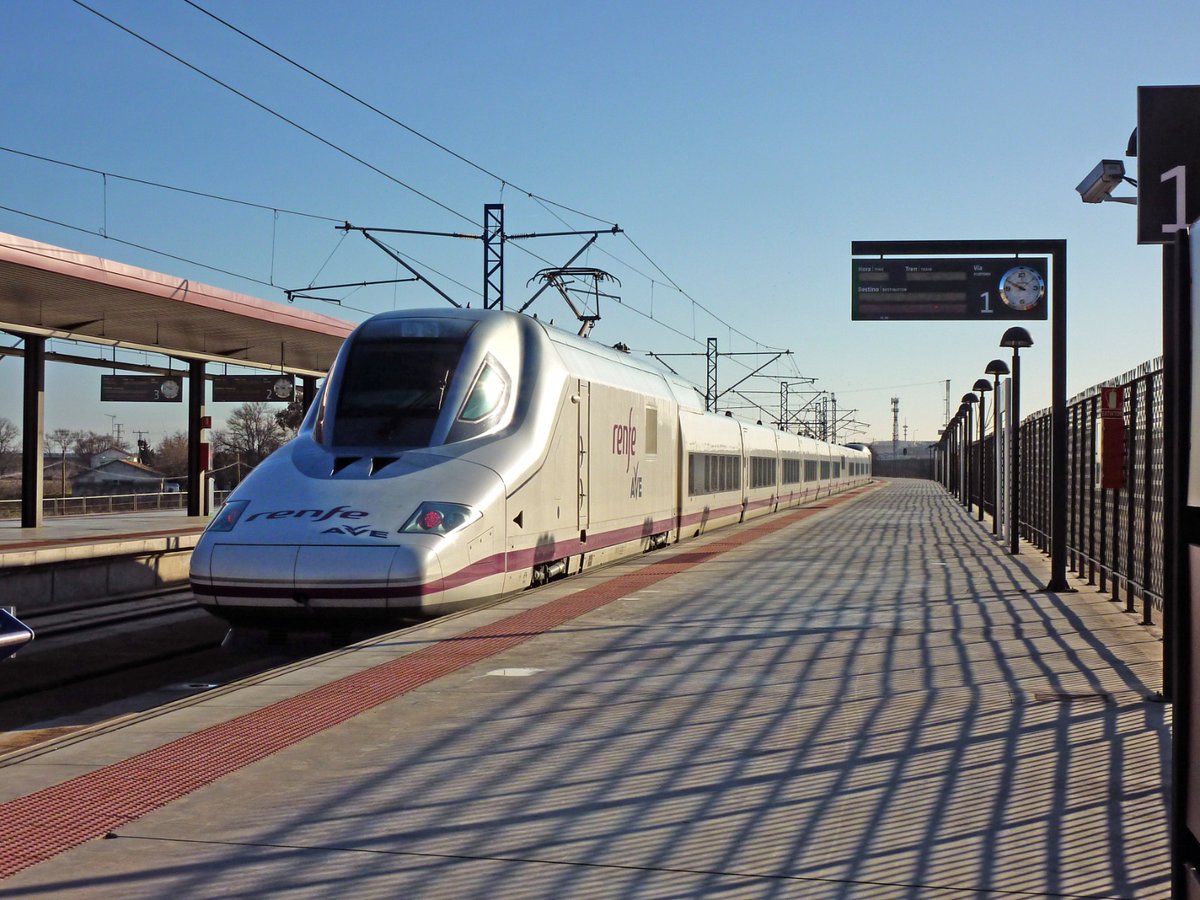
[{"x": 395, "y": 382}]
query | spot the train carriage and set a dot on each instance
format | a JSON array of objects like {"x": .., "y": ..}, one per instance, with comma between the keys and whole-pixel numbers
[
  {"x": 760, "y": 452},
  {"x": 711, "y": 482},
  {"x": 454, "y": 456}
]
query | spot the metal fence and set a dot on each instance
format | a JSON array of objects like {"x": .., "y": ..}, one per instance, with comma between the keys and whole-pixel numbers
[
  {"x": 1114, "y": 536},
  {"x": 108, "y": 503}
]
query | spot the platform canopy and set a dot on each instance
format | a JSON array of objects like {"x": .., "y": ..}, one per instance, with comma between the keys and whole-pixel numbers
[{"x": 49, "y": 291}]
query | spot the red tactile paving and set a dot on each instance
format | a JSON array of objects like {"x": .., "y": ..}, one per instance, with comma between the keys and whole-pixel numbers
[{"x": 43, "y": 824}]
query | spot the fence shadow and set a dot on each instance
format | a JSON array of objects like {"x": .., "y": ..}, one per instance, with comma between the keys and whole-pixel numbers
[{"x": 878, "y": 703}]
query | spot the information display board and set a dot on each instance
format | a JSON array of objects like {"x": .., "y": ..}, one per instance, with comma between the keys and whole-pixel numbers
[
  {"x": 949, "y": 289},
  {"x": 253, "y": 388},
  {"x": 140, "y": 389}
]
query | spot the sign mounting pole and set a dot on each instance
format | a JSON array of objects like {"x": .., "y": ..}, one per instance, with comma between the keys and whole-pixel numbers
[{"x": 1057, "y": 251}]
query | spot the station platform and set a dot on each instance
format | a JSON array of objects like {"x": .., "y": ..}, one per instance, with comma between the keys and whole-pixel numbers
[
  {"x": 68, "y": 538},
  {"x": 73, "y": 558},
  {"x": 869, "y": 698}
]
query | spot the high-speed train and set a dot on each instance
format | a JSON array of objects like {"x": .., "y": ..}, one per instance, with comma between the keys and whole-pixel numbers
[{"x": 455, "y": 456}]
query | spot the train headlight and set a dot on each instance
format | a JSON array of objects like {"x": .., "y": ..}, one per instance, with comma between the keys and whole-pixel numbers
[
  {"x": 228, "y": 515},
  {"x": 434, "y": 517}
]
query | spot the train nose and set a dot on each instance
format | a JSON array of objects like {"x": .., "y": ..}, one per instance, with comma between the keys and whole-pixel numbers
[
  {"x": 248, "y": 576},
  {"x": 392, "y": 577}
]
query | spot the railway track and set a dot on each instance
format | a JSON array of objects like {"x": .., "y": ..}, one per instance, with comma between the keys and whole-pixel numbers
[
  {"x": 94, "y": 660},
  {"x": 92, "y": 615}
]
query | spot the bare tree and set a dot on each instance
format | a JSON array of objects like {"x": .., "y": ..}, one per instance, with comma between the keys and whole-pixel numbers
[
  {"x": 8, "y": 437},
  {"x": 251, "y": 433},
  {"x": 171, "y": 456},
  {"x": 290, "y": 418},
  {"x": 62, "y": 438},
  {"x": 89, "y": 443}
]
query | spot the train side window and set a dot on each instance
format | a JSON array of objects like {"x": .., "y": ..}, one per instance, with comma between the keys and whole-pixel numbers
[
  {"x": 712, "y": 473},
  {"x": 651, "y": 437},
  {"x": 791, "y": 471}
]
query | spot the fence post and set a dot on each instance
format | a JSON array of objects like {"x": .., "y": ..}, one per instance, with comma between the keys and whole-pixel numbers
[
  {"x": 1131, "y": 469},
  {"x": 1105, "y": 561},
  {"x": 1091, "y": 469},
  {"x": 1074, "y": 516},
  {"x": 1147, "y": 486}
]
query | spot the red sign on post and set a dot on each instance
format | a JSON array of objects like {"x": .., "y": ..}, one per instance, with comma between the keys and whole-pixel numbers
[
  {"x": 1112, "y": 403},
  {"x": 1112, "y": 438}
]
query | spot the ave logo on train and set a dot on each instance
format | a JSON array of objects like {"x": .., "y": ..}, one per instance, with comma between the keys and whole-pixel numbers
[{"x": 624, "y": 443}]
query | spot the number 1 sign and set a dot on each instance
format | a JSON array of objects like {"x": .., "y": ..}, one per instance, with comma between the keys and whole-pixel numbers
[{"x": 1168, "y": 150}]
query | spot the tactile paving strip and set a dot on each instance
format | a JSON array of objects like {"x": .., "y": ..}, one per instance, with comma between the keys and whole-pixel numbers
[{"x": 43, "y": 824}]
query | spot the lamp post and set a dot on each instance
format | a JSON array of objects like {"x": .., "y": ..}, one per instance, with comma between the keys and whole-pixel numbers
[
  {"x": 996, "y": 368},
  {"x": 959, "y": 464},
  {"x": 1015, "y": 338},
  {"x": 981, "y": 387},
  {"x": 968, "y": 401}
]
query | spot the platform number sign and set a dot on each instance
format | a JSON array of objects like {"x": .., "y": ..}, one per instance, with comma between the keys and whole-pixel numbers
[
  {"x": 929, "y": 289},
  {"x": 1168, "y": 148},
  {"x": 253, "y": 388},
  {"x": 140, "y": 389}
]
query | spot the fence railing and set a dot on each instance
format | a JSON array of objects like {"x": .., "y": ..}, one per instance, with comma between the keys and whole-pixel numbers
[
  {"x": 1114, "y": 536},
  {"x": 107, "y": 503}
]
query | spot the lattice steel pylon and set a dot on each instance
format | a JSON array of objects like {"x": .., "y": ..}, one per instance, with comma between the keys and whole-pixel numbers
[
  {"x": 710, "y": 392},
  {"x": 493, "y": 255}
]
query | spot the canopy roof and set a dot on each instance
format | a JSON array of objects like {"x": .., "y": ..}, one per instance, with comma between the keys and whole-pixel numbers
[{"x": 54, "y": 292}]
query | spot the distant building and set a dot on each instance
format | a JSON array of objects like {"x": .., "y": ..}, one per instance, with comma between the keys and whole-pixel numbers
[
  {"x": 118, "y": 476},
  {"x": 112, "y": 454},
  {"x": 902, "y": 459}
]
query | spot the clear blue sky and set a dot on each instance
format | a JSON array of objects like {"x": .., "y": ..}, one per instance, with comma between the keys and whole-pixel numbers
[{"x": 742, "y": 146}]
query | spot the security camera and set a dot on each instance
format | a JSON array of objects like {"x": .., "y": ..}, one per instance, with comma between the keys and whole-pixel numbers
[{"x": 1099, "y": 183}]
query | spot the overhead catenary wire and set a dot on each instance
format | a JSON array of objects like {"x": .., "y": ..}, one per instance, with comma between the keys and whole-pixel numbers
[
  {"x": 351, "y": 96},
  {"x": 154, "y": 250},
  {"x": 100, "y": 233},
  {"x": 168, "y": 187},
  {"x": 276, "y": 114},
  {"x": 541, "y": 200},
  {"x": 504, "y": 182}
]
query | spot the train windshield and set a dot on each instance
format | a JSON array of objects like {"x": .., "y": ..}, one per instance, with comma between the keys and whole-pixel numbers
[{"x": 395, "y": 381}]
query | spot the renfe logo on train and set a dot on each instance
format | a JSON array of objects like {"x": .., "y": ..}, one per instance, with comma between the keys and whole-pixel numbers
[
  {"x": 317, "y": 515},
  {"x": 624, "y": 442}
]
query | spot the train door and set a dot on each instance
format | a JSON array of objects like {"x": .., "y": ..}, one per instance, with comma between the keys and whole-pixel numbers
[{"x": 583, "y": 410}]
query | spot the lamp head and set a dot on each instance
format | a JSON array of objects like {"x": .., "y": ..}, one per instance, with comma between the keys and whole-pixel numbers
[
  {"x": 968, "y": 399},
  {"x": 997, "y": 367},
  {"x": 982, "y": 385},
  {"x": 1017, "y": 338}
]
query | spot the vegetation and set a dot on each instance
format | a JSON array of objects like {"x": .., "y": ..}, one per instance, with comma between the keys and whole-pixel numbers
[{"x": 253, "y": 431}]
